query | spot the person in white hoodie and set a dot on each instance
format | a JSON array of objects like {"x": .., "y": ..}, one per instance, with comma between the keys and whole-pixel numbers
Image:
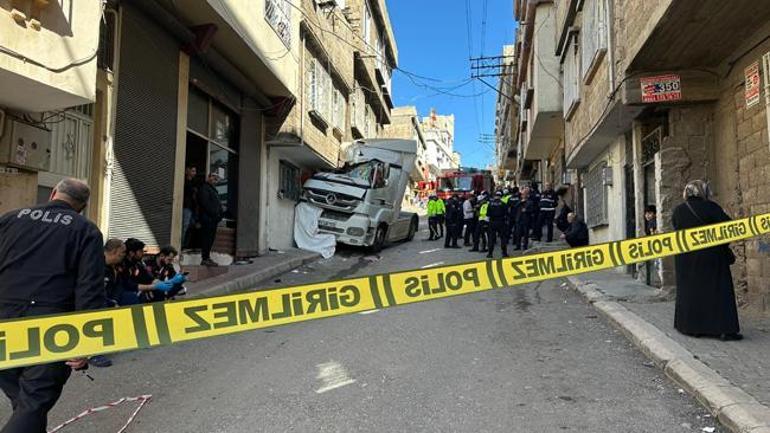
[{"x": 469, "y": 221}]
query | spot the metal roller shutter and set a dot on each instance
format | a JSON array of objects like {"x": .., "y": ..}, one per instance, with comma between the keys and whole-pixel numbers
[{"x": 145, "y": 131}]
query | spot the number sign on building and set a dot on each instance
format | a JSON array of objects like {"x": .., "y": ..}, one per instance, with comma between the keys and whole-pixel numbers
[{"x": 661, "y": 88}]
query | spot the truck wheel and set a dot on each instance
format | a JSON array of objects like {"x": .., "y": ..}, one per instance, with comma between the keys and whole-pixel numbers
[
  {"x": 379, "y": 239},
  {"x": 413, "y": 226}
]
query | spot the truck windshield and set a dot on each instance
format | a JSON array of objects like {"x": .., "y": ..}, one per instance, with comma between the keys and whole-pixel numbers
[
  {"x": 460, "y": 183},
  {"x": 361, "y": 174}
]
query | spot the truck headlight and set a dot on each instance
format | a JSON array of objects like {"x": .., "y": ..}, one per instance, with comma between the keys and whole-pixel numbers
[{"x": 356, "y": 231}]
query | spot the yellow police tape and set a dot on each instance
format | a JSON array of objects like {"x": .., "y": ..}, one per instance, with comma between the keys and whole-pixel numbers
[{"x": 52, "y": 338}]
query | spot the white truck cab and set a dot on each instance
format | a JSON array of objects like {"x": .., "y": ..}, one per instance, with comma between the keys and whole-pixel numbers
[{"x": 361, "y": 202}]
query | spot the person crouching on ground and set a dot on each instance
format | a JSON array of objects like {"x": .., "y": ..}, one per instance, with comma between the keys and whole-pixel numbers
[
  {"x": 139, "y": 286},
  {"x": 161, "y": 267},
  {"x": 577, "y": 232}
]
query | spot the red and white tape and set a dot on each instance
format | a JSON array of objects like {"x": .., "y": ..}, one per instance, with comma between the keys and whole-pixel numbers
[{"x": 142, "y": 399}]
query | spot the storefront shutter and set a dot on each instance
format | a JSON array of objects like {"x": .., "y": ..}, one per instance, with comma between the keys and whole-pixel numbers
[{"x": 145, "y": 131}]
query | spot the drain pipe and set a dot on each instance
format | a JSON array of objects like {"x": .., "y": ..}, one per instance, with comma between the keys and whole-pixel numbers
[{"x": 610, "y": 8}]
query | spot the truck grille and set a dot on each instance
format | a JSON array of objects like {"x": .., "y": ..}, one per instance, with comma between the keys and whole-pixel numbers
[{"x": 330, "y": 200}]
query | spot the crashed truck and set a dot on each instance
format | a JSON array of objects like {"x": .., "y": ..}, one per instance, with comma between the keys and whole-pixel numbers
[{"x": 361, "y": 202}]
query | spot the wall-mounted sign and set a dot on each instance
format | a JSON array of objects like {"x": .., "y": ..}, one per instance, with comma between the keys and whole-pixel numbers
[
  {"x": 661, "y": 88},
  {"x": 752, "y": 84}
]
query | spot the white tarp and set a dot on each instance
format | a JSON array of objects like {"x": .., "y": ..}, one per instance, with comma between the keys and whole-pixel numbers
[{"x": 306, "y": 231}]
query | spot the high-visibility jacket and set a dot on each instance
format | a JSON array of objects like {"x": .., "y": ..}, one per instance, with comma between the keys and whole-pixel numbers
[
  {"x": 432, "y": 206},
  {"x": 505, "y": 199},
  {"x": 440, "y": 207},
  {"x": 483, "y": 212}
]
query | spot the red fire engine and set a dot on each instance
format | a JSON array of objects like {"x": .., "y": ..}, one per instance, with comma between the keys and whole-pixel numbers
[{"x": 464, "y": 181}]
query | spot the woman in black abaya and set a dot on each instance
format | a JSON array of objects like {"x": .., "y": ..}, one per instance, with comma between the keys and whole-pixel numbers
[{"x": 705, "y": 298}]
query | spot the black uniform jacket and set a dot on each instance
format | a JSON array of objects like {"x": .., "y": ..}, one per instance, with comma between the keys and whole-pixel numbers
[{"x": 51, "y": 261}]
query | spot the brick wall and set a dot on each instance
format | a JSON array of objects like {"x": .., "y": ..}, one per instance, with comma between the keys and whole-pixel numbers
[{"x": 741, "y": 176}]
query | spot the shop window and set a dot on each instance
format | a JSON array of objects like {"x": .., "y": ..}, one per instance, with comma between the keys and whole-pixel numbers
[
  {"x": 289, "y": 181},
  {"x": 596, "y": 196},
  {"x": 593, "y": 41}
]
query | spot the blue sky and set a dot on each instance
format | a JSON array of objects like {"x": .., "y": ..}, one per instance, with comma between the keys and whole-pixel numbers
[{"x": 432, "y": 38}]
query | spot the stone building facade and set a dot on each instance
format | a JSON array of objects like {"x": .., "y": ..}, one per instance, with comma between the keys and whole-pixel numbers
[{"x": 655, "y": 94}]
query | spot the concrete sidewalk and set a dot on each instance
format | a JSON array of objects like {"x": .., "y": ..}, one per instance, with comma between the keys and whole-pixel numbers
[
  {"x": 729, "y": 378},
  {"x": 244, "y": 277}
]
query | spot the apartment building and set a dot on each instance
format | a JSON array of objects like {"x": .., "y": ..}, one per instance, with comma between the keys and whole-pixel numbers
[
  {"x": 541, "y": 126},
  {"x": 48, "y": 63},
  {"x": 506, "y": 117},
  {"x": 653, "y": 95},
  {"x": 262, "y": 93},
  {"x": 439, "y": 131}
]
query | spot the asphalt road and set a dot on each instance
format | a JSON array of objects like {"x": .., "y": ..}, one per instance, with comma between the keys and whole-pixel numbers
[{"x": 533, "y": 358}]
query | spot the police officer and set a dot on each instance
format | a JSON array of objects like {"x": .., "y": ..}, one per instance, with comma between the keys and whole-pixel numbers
[
  {"x": 51, "y": 261},
  {"x": 513, "y": 209},
  {"x": 534, "y": 198},
  {"x": 548, "y": 202},
  {"x": 524, "y": 216},
  {"x": 433, "y": 217},
  {"x": 454, "y": 222},
  {"x": 440, "y": 214},
  {"x": 498, "y": 216},
  {"x": 482, "y": 224}
]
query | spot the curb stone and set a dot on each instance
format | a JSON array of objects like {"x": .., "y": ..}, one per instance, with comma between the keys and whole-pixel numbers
[
  {"x": 733, "y": 407},
  {"x": 246, "y": 282}
]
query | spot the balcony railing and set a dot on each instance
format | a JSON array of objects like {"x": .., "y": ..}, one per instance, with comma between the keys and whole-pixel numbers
[{"x": 277, "y": 13}]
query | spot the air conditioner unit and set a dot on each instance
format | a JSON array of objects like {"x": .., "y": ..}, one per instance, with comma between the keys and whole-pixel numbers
[{"x": 25, "y": 146}]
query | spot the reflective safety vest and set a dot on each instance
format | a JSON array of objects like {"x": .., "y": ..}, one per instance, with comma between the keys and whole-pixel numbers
[
  {"x": 440, "y": 207},
  {"x": 432, "y": 205},
  {"x": 483, "y": 212},
  {"x": 505, "y": 199}
]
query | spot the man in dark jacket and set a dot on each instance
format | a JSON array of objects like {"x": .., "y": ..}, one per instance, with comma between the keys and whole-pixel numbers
[
  {"x": 498, "y": 216},
  {"x": 562, "y": 223},
  {"x": 526, "y": 213},
  {"x": 454, "y": 222},
  {"x": 513, "y": 210},
  {"x": 189, "y": 202},
  {"x": 51, "y": 261},
  {"x": 210, "y": 214},
  {"x": 577, "y": 233},
  {"x": 547, "y": 205}
]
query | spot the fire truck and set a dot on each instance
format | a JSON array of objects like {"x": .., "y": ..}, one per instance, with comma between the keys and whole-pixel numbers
[{"x": 463, "y": 181}]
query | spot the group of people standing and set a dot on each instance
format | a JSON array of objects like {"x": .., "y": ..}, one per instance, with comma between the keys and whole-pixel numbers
[{"x": 506, "y": 215}]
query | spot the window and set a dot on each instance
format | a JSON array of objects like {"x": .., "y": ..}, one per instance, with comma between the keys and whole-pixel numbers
[
  {"x": 367, "y": 24},
  {"x": 571, "y": 67},
  {"x": 338, "y": 110},
  {"x": 288, "y": 181},
  {"x": 278, "y": 14},
  {"x": 596, "y": 196},
  {"x": 320, "y": 90},
  {"x": 367, "y": 122},
  {"x": 593, "y": 41}
]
